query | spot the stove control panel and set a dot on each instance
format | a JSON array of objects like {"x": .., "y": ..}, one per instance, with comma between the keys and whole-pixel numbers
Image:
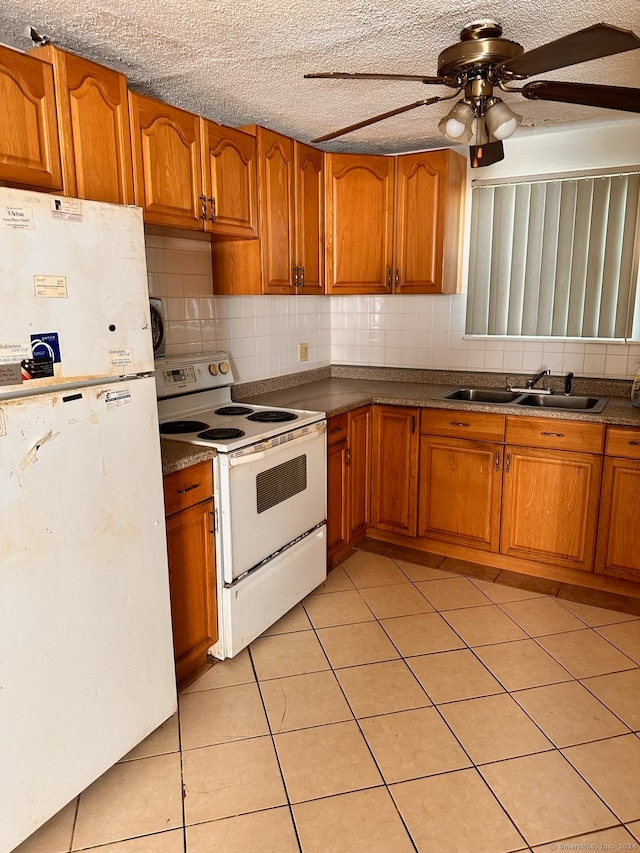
[{"x": 184, "y": 374}]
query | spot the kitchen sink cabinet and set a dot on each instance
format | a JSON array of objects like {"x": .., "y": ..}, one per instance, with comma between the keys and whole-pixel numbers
[
  {"x": 93, "y": 122},
  {"x": 191, "y": 550},
  {"x": 29, "y": 144},
  {"x": 618, "y": 553},
  {"x": 337, "y": 491},
  {"x": 394, "y": 464}
]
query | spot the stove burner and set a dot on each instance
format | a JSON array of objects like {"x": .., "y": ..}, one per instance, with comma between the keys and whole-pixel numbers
[
  {"x": 220, "y": 433},
  {"x": 233, "y": 410},
  {"x": 179, "y": 427},
  {"x": 272, "y": 417}
]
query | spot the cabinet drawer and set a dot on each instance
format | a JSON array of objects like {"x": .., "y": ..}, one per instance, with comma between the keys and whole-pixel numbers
[
  {"x": 337, "y": 428},
  {"x": 188, "y": 487},
  {"x": 555, "y": 434},
  {"x": 623, "y": 442},
  {"x": 481, "y": 426}
]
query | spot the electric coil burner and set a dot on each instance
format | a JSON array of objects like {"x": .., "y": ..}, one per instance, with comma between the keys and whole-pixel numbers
[
  {"x": 234, "y": 410},
  {"x": 272, "y": 417},
  {"x": 181, "y": 427},
  {"x": 221, "y": 433}
]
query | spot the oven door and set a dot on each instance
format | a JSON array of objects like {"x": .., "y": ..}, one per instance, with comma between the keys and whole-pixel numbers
[{"x": 269, "y": 495}]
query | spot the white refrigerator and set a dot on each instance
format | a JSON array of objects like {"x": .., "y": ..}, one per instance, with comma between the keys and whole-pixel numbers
[{"x": 86, "y": 659}]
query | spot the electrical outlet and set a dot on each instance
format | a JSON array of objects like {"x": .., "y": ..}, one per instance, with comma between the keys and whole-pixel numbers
[{"x": 303, "y": 352}]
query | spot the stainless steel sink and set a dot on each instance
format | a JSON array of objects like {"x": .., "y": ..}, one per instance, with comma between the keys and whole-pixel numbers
[
  {"x": 480, "y": 395},
  {"x": 559, "y": 401}
]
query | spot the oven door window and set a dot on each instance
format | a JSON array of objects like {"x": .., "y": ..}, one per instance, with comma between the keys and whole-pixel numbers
[{"x": 281, "y": 483}]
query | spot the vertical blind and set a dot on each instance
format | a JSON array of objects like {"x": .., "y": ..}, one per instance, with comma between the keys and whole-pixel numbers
[{"x": 556, "y": 257}]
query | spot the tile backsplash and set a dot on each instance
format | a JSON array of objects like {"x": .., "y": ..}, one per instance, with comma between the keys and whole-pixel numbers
[{"x": 262, "y": 333}]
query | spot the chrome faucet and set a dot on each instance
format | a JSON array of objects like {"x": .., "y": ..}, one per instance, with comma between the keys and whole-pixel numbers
[
  {"x": 530, "y": 385},
  {"x": 531, "y": 382}
]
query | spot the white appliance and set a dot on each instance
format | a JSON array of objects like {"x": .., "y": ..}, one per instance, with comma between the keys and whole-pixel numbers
[
  {"x": 270, "y": 493},
  {"x": 86, "y": 662}
]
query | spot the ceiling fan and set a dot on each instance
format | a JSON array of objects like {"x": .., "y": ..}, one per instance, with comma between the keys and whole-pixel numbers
[{"x": 483, "y": 60}]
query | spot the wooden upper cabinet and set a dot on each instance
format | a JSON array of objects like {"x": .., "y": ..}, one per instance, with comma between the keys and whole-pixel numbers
[
  {"x": 359, "y": 199},
  {"x": 429, "y": 214},
  {"x": 167, "y": 164},
  {"x": 93, "y": 119},
  {"x": 230, "y": 180},
  {"x": 309, "y": 220},
  {"x": 29, "y": 147},
  {"x": 277, "y": 211}
]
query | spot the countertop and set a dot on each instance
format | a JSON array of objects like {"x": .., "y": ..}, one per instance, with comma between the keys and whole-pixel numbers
[{"x": 177, "y": 455}]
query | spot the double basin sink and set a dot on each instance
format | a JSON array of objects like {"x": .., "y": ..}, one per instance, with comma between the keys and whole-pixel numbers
[{"x": 573, "y": 403}]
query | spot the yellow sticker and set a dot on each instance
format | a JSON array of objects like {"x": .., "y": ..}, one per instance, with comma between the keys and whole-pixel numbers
[{"x": 50, "y": 286}]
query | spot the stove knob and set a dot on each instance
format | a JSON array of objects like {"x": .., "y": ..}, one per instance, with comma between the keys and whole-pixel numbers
[
  {"x": 224, "y": 367},
  {"x": 213, "y": 369}
]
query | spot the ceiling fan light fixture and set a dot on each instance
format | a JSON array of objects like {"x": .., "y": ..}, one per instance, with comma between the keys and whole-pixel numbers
[
  {"x": 456, "y": 125},
  {"x": 501, "y": 120}
]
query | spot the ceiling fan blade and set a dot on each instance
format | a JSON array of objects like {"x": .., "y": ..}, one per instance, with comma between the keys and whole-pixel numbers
[
  {"x": 373, "y": 120},
  {"x": 589, "y": 94},
  {"x": 581, "y": 46},
  {"x": 340, "y": 75}
]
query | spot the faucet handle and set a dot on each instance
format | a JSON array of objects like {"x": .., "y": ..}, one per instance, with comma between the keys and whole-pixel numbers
[{"x": 567, "y": 384}]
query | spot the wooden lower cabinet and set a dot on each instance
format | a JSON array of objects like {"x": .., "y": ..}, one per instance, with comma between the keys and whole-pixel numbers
[
  {"x": 337, "y": 498},
  {"x": 192, "y": 578},
  {"x": 394, "y": 464}
]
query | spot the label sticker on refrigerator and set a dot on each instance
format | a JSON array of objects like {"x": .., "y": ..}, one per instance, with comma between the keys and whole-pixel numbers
[
  {"x": 3, "y": 423},
  {"x": 120, "y": 357},
  {"x": 10, "y": 374},
  {"x": 20, "y": 218},
  {"x": 36, "y": 368},
  {"x": 116, "y": 399},
  {"x": 50, "y": 286},
  {"x": 66, "y": 208},
  {"x": 46, "y": 345},
  {"x": 14, "y": 353}
]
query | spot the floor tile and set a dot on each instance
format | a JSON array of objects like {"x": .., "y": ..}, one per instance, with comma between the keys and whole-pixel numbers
[
  {"x": 620, "y": 691},
  {"x": 119, "y": 805},
  {"x": 55, "y": 835},
  {"x": 225, "y": 673},
  {"x": 452, "y": 593},
  {"x": 357, "y": 822},
  {"x": 165, "y": 738},
  {"x": 626, "y": 637},
  {"x": 568, "y": 714},
  {"x": 611, "y": 768},
  {"x": 423, "y": 573},
  {"x": 365, "y": 570},
  {"x": 160, "y": 842},
  {"x": 540, "y": 616},
  {"x": 325, "y": 760},
  {"x": 492, "y": 728},
  {"x": 421, "y": 634},
  {"x": 337, "y": 608},
  {"x": 449, "y": 676},
  {"x": 337, "y": 581},
  {"x": 411, "y": 744},
  {"x": 381, "y": 688},
  {"x": 295, "y": 620},
  {"x": 499, "y": 592},
  {"x": 302, "y": 701},
  {"x": 522, "y": 664},
  {"x": 546, "y": 798},
  {"x": 634, "y": 829},
  {"x": 432, "y": 809},
  {"x": 287, "y": 654},
  {"x": 269, "y": 831},
  {"x": 218, "y": 716},
  {"x": 596, "y": 616},
  {"x": 398, "y": 600},
  {"x": 231, "y": 778},
  {"x": 481, "y": 626},
  {"x": 350, "y": 645},
  {"x": 585, "y": 653},
  {"x": 616, "y": 839}
]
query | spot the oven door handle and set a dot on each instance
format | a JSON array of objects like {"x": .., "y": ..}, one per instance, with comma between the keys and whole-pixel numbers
[{"x": 245, "y": 458}]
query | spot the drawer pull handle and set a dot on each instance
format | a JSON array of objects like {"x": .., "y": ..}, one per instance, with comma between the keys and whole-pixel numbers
[
  {"x": 553, "y": 434},
  {"x": 188, "y": 489},
  {"x": 634, "y": 443},
  {"x": 337, "y": 429},
  {"x": 458, "y": 424}
]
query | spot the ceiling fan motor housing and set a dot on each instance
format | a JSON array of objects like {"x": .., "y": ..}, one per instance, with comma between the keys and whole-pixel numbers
[{"x": 481, "y": 49}]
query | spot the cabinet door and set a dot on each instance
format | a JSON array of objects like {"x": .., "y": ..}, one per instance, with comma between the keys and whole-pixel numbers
[
  {"x": 359, "y": 460},
  {"x": 29, "y": 147},
  {"x": 618, "y": 550},
  {"x": 275, "y": 154},
  {"x": 550, "y": 505},
  {"x": 430, "y": 191},
  {"x": 190, "y": 544},
  {"x": 460, "y": 486},
  {"x": 309, "y": 220},
  {"x": 93, "y": 115},
  {"x": 359, "y": 199},
  {"x": 394, "y": 469},
  {"x": 229, "y": 168},
  {"x": 167, "y": 164},
  {"x": 337, "y": 497}
]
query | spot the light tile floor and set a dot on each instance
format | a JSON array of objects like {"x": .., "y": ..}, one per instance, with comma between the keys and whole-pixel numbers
[{"x": 401, "y": 707}]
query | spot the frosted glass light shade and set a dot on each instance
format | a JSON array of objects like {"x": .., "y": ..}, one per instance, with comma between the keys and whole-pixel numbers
[
  {"x": 456, "y": 125},
  {"x": 501, "y": 121}
]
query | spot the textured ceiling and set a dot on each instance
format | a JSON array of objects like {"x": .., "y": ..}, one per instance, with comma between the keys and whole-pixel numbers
[{"x": 242, "y": 61}]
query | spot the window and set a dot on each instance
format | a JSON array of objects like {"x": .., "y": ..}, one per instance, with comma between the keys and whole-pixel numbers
[{"x": 555, "y": 258}]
